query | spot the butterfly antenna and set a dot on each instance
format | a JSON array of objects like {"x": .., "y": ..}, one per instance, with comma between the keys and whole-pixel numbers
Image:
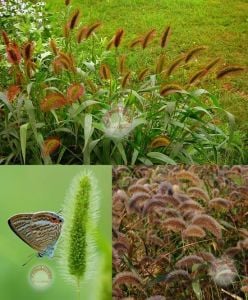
[
  {"x": 30, "y": 257},
  {"x": 60, "y": 211}
]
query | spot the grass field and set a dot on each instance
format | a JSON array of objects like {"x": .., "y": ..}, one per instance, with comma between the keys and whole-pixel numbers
[{"x": 223, "y": 27}]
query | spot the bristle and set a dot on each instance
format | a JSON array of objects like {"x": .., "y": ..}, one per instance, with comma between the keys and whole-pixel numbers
[
  {"x": 170, "y": 89},
  {"x": 127, "y": 278},
  {"x": 13, "y": 53},
  {"x": 66, "y": 30},
  {"x": 244, "y": 289},
  {"x": 118, "y": 37},
  {"x": 156, "y": 297},
  {"x": 121, "y": 247},
  {"x": 153, "y": 204},
  {"x": 193, "y": 52},
  {"x": 232, "y": 251},
  {"x": 198, "y": 193},
  {"x": 5, "y": 38},
  {"x": 197, "y": 76},
  {"x": 243, "y": 232},
  {"x": 165, "y": 37},
  {"x": 138, "y": 188},
  {"x": 120, "y": 195},
  {"x": 174, "y": 224},
  {"x": 54, "y": 47},
  {"x": 188, "y": 261},
  {"x": 82, "y": 33},
  {"x": 30, "y": 67},
  {"x": 212, "y": 64},
  {"x": 92, "y": 28},
  {"x": 171, "y": 212},
  {"x": 148, "y": 37},
  {"x": 160, "y": 64},
  {"x": 67, "y": 61},
  {"x": 74, "y": 92},
  {"x": 152, "y": 239},
  {"x": 243, "y": 244},
  {"x": 175, "y": 275},
  {"x": 207, "y": 256},
  {"x": 188, "y": 176},
  {"x": 125, "y": 79},
  {"x": 190, "y": 205},
  {"x": 105, "y": 72},
  {"x": 169, "y": 200},
  {"x": 220, "y": 203},
  {"x": 223, "y": 271},
  {"x": 122, "y": 61},
  {"x": 137, "y": 199},
  {"x": 161, "y": 141},
  {"x": 194, "y": 231},
  {"x": 50, "y": 145},
  {"x": 12, "y": 92},
  {"x": 74, "y": 20},
  {"x": 208, "y": 223},
  {"x": 174, "y": 65},
  {"x": 110, "y": 44},
  {"x": 93, "y": 87},
  {"x": 230, "y": 70},
  {"x": 28, "y": 49},
  {"x": 53, "y": 101},
  {"x": 136, "y": 42},
  {"x": 143, "y": 74}
]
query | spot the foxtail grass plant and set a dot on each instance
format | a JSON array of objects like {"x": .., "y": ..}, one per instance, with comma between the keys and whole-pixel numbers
[
  {"x": 78, "y": 98},
  {"x": 77, "y": 247}
]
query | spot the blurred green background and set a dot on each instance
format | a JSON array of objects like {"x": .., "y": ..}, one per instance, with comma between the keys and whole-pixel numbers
[{"x": 39, "y": 188}]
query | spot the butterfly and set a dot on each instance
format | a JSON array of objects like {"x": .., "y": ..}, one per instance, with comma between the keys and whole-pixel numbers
[{"x": 39, "y": 230}]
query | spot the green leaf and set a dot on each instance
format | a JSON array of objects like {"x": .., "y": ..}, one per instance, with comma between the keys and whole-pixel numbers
[
  {"x": 197, "y": 289},
  {"x": 122, "y": 152},
  {"x": 93, "y": 144},
  {"x": 90, "y": 65},
  {"x": 161, "y": 157},
  {"x": 5, "y": 101},
  {"x": 134, "y": 156},
  {"x": 88, "y": 130},
  {"x": 32, "y": 120},
  {"x": 23, "y": 139},
  {"x": 55, "y": 116},
  {"x": 29, "y": 87},
  {"x": 76, "y": 110},
  {"x": 170, "y": 107}
]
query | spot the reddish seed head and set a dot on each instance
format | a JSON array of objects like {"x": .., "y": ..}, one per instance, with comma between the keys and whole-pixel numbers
[
  {"x": 5, "y": 37},
  {"x": 118, "y": 37},
  {"x": 74, "y": 92},
  {"x": 50, "y": 145},
  {"x": 12, "y": 92},
  {"x": 53, "y": 101},
  {"x": 13, "y": 54}
]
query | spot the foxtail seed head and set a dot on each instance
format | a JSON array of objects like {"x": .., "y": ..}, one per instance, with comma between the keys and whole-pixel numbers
[{"x": 77, "y": 243}]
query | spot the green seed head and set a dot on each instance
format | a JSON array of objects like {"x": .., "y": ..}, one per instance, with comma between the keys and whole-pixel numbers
[{"x": 77, "y": 241}]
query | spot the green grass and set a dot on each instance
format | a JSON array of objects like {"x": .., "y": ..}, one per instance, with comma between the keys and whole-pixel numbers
[{"x": 223, "y": 27}]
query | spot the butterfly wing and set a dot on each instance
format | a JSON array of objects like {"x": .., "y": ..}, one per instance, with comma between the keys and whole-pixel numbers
[
  {"x": 21, "y": 226},
  {"x": 38, "y": 230},
  {"x": 46, "y": 228}
]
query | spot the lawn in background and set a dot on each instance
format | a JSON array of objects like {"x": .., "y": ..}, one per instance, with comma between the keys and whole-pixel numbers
[{"x": 220, "y": 25}]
